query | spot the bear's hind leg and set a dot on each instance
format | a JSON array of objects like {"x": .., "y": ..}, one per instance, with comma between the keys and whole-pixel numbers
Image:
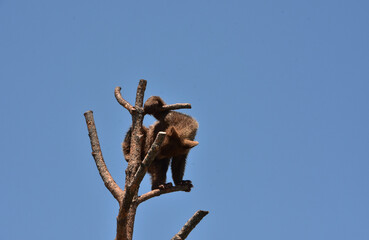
[
  {"x": 178, "y": 167},
  {"x": 158, "y": 171}
]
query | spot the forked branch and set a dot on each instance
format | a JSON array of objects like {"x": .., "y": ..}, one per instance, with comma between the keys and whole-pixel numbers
[
  {"x": 127, "y": 210},
  {"x": 125, "y": 219}
]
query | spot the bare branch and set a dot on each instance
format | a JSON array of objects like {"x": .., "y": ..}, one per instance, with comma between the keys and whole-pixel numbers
[
  {"x": 158, "y": 192},
  {"x": 122, "y": 101},
  {"x": 175, "y": 106},
  {"x": 108, "y": 180},
  {"x": 140, "y": 93},
  {"x": 137, "y": 119},
  {"x": 190, "y": 225}
]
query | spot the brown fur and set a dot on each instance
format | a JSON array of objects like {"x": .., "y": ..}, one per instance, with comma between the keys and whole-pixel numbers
[
  {"x": 180, "y": 125},
  {"x": 172, "y": 145}
]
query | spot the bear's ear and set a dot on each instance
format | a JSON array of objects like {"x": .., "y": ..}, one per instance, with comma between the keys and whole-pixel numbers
[
  {"x": 189, "y": 144},
  {"x": 171, "y": 132}
]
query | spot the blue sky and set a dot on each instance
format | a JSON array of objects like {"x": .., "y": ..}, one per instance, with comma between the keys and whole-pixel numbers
[{"x": 280, "y": 90}]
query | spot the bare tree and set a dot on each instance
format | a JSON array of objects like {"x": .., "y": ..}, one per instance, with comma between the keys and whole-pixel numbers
[{"x": 128, "y": 198}]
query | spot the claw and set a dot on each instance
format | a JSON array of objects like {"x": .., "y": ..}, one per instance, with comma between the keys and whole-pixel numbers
[
  {"x": 187, "y": 183},
  {"x": 165, "y": 186}
]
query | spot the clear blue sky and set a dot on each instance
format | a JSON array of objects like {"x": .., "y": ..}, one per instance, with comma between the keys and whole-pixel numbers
[{"x": 280, "y": 89}]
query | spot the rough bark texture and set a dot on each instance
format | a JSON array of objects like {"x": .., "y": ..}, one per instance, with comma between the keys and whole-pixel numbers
[
  {"x": 150, "y": 156},
  {"x": 158, "y": 192},
  {"x": 176, "y": 106},
  {"x": 108, "y": 180},
  {"x": 130, "y": 191},
  {"x": 128, "y": 199},
  {"x": 121, "y": 101},
  {"x": 190, "y": 225}
]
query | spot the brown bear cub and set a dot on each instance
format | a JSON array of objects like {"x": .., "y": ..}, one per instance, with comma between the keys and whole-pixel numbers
[
  {"x": 180, "y": 132},
  {"x": 179, "y": 124}
]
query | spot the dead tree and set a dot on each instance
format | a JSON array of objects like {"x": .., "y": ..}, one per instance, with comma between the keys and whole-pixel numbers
[{"x": 128, "y": 198}]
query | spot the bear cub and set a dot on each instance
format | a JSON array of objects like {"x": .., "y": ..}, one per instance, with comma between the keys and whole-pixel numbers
[{"x": 180, "y": 134}]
